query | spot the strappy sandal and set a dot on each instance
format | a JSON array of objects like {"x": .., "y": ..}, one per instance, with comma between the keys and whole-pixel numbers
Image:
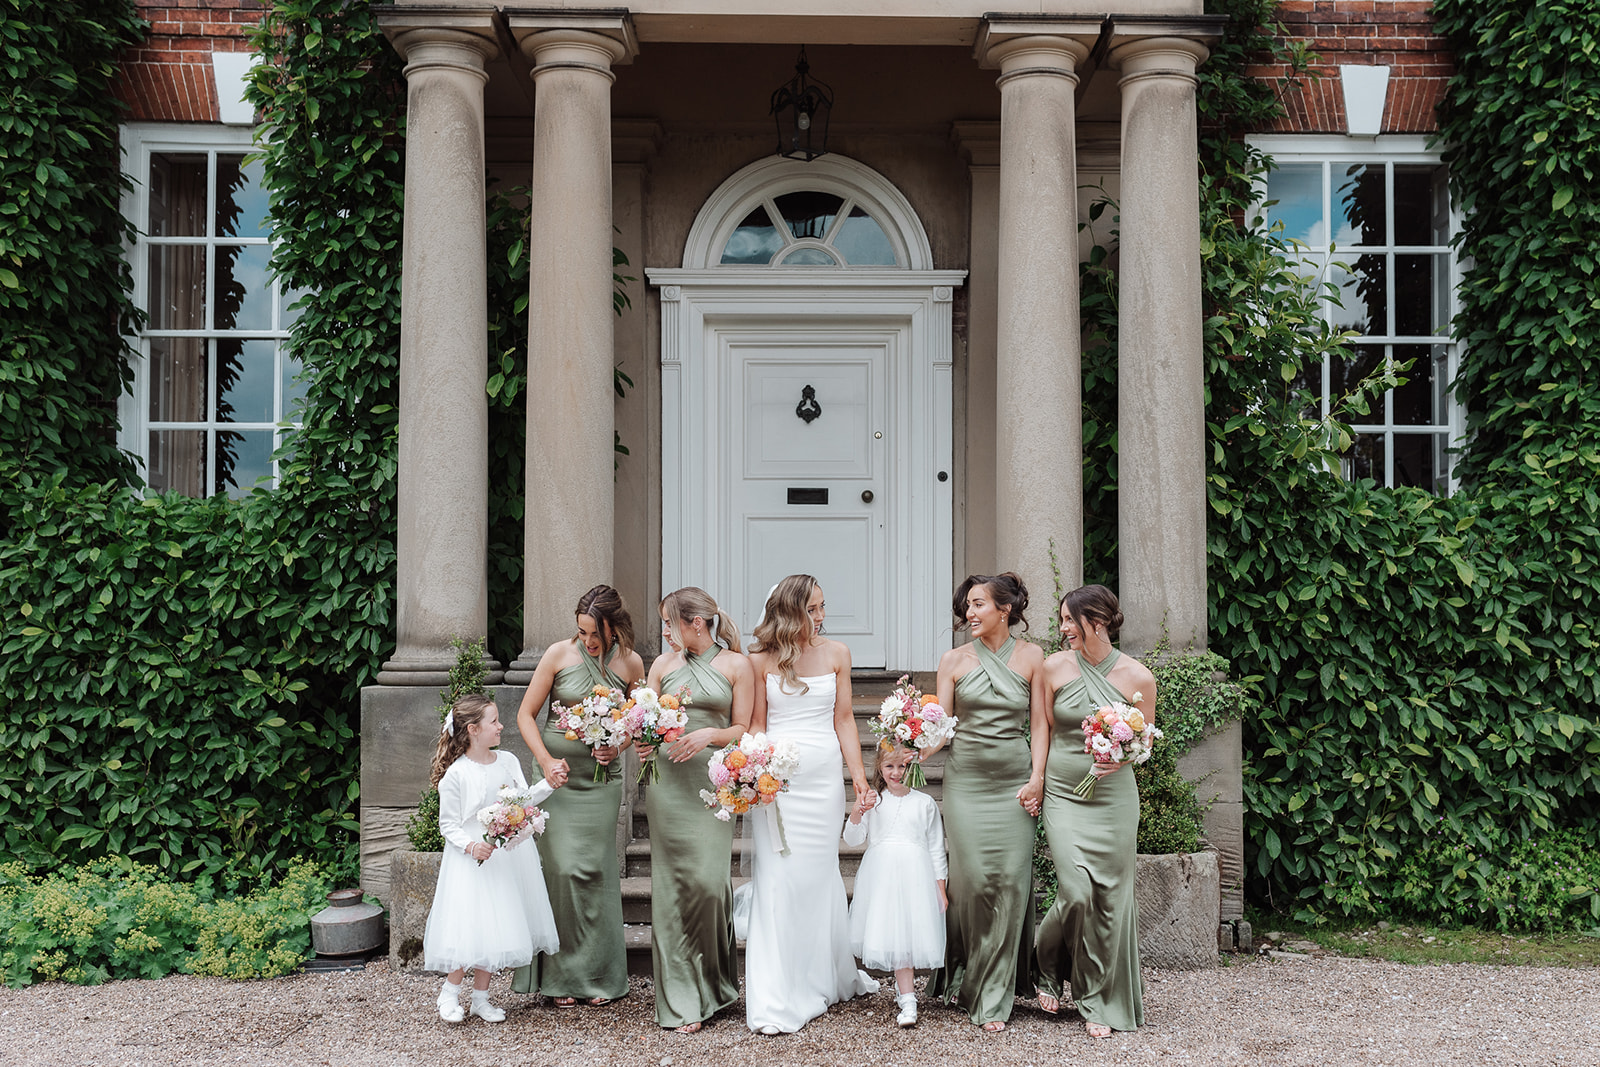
[
  {"x": 994, "y": 1026},
  {"x": 1098, "y": 1031},
  {"x": 564, "y": 1002},
  {"x": 1049, "y": 1003},
  {"x": 688, "y": 1028},
  {"x": 598, "y": 1002}
]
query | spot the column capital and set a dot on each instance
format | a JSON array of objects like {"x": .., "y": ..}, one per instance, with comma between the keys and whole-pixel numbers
[
  {"x": 595, "y": 42},
  {"x": 466, "y": 38},
  {"x": 1149, "y": 57},
  {"x": 1035, "y": 46}
]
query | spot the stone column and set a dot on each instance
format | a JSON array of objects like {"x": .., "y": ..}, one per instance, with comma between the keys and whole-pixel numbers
[
  {"x": 1038, "y": 462},
  {"x": 975, "y": 408},
  {"x": 441, "y": 537},
  {"x": 1161, "y": 489},
  {"x": 569, "y": 509}
]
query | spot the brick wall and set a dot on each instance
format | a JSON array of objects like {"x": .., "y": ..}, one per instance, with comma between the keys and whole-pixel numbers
[
  {"x": 168, "y": 78},
  {"x": 1394, "y": 33}
]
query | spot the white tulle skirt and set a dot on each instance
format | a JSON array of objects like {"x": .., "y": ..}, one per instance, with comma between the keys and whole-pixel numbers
[
  {"x": 895, "y": 919},
  {"x": 496, "y": 916}
]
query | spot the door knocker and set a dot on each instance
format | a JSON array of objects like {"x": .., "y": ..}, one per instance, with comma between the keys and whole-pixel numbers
[{"x": 808, "y": 408}]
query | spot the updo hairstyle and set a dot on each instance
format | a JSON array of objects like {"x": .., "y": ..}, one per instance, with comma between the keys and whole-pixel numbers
[
  {"x": 1095, "y": 605},
  {"x": 1006, "y": 590},
  {"x": 604, "y": 605}
]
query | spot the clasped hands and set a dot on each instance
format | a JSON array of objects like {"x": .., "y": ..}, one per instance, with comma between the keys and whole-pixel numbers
[{"x": 866, "y": 800}]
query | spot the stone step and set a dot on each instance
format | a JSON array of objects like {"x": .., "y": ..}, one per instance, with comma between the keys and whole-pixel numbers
[
  {"x": 636, "y": 896},
  {"x": 933, "y": 771}
]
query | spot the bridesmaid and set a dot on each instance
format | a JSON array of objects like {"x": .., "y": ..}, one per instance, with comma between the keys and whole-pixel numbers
[
  {"x": 691, "y": 853},
  {"x": 1090, "y": 937},
  {"x": 993, "y": 788},
  {"x": 579, "y": 849}
]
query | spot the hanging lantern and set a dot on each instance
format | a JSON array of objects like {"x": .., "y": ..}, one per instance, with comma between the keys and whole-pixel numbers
[{"x": 801, "y": 110}]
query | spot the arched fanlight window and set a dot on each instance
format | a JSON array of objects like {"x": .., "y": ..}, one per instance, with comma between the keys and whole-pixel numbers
[{"x": 809, "y": 228}]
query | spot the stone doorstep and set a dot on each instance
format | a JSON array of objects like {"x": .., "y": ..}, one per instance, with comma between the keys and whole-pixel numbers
[{"x": 1178, "y": 899}]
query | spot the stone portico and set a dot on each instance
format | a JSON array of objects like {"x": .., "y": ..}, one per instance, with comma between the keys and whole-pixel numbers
[{"x": 624, "y": 122}]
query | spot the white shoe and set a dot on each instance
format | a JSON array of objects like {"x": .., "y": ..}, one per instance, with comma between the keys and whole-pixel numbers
[
  {"x": 770, "y": 1030},
  {"x": 483, "y": 1009},
  {"x": 908, "y": 1008},
  {"x": 450, "y": 1003}
]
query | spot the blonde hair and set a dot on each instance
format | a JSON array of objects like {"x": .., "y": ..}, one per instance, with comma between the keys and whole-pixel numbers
[
  {"x": 782, "y": 629},
  {"x": 886, "y": 747},
  {"x": 469, "y": 710},
  {"x": 693, "y": 602}
]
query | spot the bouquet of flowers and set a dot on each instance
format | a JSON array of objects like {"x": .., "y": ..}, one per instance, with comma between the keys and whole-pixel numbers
[
  {"x": 1116, "y": 733},
  {"x": 595, "y": 721},
  {"x": 911, "y": 718},
  {"x": 653, "y": 719},
  {"x": 512, "y": 819},
  {"x": 749, "y": 773}
]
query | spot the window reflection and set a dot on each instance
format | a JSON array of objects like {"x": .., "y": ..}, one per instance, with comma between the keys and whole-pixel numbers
[
  {"x": 241, "y": 200},
  {"x": 809, "y": 213},
  {"x": 1297, "y": 188},
  {"x": 1364, "y": 296},
  {"x": 809, "y": 257},
  {"x": 245, "y": 380},
  {"x": 1361, "y": 202},
  {"x": 756, "y": 240},
  {"x": 1414, "y": 401},
  {"x": 862, "y": 241}
]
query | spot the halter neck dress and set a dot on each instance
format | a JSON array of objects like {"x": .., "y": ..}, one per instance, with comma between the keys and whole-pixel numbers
[
  {"x": 691, "y": 864},
  {"x": 1089, "y": 939},
  {"x": 579, "y": 850},
  {"x": 989, "y": 924}
]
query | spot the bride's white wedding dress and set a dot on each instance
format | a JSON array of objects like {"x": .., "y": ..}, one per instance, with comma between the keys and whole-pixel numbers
[{"x": 797, "y": 954}]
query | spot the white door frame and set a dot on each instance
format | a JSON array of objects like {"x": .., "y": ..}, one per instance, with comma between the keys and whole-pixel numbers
[{"x": 698, "y": 303}]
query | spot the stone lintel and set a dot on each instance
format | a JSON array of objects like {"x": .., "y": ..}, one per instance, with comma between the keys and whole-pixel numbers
[
  {"x": 635, "y": 140},
  {"x": 978, "y": 141}
]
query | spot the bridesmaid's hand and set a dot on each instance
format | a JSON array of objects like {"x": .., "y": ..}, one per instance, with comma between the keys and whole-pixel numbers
[
  {"x": 686, "y": 746},
  {"x": 604, "y": 754},
  {"x": 550, "y": 767},
  {"x": 645, "y": 751},
  {"x": 1031, "y": 796},
  {"x": 1100, "y": 770},
  {"x": 866, "y": 796}
]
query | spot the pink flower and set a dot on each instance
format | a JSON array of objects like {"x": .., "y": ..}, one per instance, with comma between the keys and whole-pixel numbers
[{"x": 1122, "y": 732}]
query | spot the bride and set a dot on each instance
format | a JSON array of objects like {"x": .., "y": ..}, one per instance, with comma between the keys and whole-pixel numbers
[{"x": 797, "y": 955}]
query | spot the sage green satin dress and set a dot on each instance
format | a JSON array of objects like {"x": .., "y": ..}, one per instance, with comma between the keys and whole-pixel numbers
[
  {"x": 989, "y": 924},
  {"x": 1089, "y": 939},
  {"x": 579, "y": 852},
  {"x": 691, "y": 865}
]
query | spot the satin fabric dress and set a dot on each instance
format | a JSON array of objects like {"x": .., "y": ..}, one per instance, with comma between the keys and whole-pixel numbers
[
  {"x": 1089, "y": 939},
  {"x": 692, "y": 952},
  {"x": 579, "y": 850},
  {"x": 989, "y": 924},
  {"x": 797, "y": 958}
]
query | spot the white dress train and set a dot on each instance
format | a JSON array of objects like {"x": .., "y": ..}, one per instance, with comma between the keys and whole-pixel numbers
[{"x": 797, "y": 953}]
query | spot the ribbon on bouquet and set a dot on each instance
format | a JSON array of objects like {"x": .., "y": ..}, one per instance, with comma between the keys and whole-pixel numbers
[{"x": 780, "y": 843}]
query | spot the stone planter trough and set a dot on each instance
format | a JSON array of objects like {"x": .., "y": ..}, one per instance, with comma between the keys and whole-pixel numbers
[
  {"x": 412, "y": 878},
  {"x": 1178, "y": 899}
]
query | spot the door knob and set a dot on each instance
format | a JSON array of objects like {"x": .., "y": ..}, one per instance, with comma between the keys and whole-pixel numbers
[{"x": 866, "y": 496}]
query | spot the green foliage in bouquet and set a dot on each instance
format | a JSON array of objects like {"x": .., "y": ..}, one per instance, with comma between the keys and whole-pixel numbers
[
  {"x": 111, "y": 919},
  {"x": 466, "y": 676}
]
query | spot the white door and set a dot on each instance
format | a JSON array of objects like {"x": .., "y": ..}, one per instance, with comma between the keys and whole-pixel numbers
[{"x": 805, "y": 452}]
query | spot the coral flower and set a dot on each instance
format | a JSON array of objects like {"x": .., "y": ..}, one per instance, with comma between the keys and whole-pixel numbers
[
  {"x": 928, "y": 698},
  {"x": 515, "y": 814},
  {"x": 602, "y": 690},
  {"x": 670, "y": 702},
  {"x": 767, "y": 785},
  {"x": 735, "y": 759}
]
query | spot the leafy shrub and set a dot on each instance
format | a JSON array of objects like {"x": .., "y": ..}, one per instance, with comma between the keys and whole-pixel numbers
[
  {"x": 109, "y": 919},
  {"x": 1549, "y": 883},
  {"x": 466, "y": 676}
]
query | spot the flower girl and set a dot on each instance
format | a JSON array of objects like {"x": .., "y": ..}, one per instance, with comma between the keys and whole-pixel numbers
[
  {"x": 897, "y": 915},
  {"x": 491, "y": 909}
]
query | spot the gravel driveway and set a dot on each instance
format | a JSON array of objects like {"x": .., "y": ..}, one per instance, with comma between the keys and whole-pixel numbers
[{"x": 1281, "y": 1012}]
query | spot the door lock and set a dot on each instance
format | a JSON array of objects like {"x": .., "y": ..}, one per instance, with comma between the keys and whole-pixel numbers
[{"x": 866, "y": 496}]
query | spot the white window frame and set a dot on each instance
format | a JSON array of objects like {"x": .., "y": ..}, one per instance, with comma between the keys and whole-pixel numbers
[
  {"x": 139, "y": 142},
  {"x": 1395, "y": 149}
]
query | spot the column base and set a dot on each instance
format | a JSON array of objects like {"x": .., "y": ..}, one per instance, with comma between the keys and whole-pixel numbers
[
  {"x": 521, "y": 670},
  {"x": 431, "y": 670}
]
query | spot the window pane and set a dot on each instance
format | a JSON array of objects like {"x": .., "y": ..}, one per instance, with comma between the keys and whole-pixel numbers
[
  {"x": 177, "y": 462},
  {"x": 1418, "y": 217},
  {"x": 809, "y": 214},
  {"x": 755, "y": 241},
  {"x": 177, "y": 195},
  {"x": 177, "y": 379},
  {"x": 241, "y": 201},
  {"x": 862, "y": 241},
  {"x": 1361, "y": 289},
  {"x": 1413, "y": 401},
  {"x": 294, "y": 388},
  {"x": 244, "y": 457},
  {"x": 1360, "y": 205},
  {"x": 1365, "y": 458},
  {"x": 244, "y": 292},
  {"x": 1297, "y": 188},
  {"x": 1307, "y": 386},
  {"x": 1348, "y": 372},
  {"x": 1415, "y": 460},
  {"x": 177, "y": 286},
  {"x": 245, "y": 380},
  {"x": 808, "y": 257},
  {"x": 288, "y": 314},
  {"x": 1417, "y": 287}
]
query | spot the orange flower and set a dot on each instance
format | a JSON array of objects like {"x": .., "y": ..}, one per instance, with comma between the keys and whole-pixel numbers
[
  {"x": 572, "y": 735},
  {"x": 727, "y": 797},
  {"x": 602, "y": 690},
  {"x": 627, "y": 705},
  {"x": 670, "y": 703},
  {"x": 515, "y": 815},
  {"x": 928, "y": 698},
  {"x": 735, "y": 760},
  {"x": 616, "y": 714},
  {"x": 767, "y": 785}
]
